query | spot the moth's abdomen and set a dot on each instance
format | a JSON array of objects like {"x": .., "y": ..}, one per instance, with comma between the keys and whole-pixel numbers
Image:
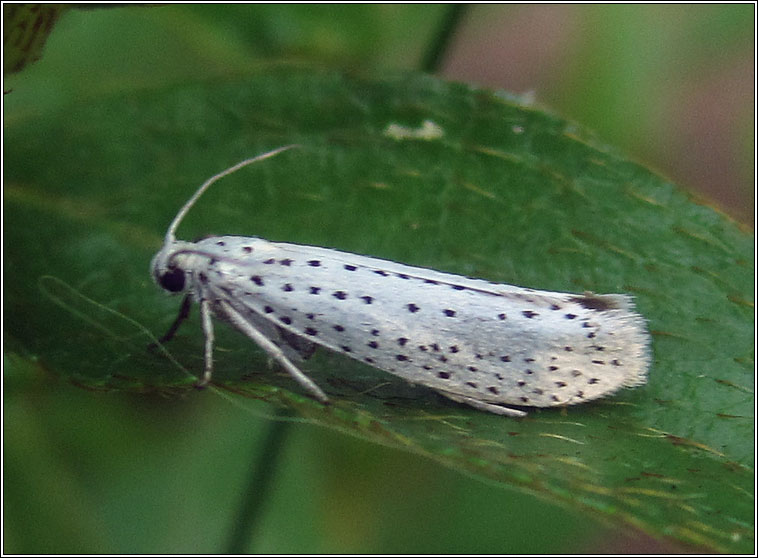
[{"x": 494, "y": 343}]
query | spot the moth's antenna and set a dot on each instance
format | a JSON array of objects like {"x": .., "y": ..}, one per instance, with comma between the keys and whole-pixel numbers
[{"x": 170, "y": 236}]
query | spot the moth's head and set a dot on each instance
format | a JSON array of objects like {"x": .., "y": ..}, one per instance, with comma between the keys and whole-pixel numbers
[{"x": 165, "y": 270}]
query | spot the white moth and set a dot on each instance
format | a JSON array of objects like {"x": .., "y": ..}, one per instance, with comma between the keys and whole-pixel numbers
[{"x": 486, "y": 344}]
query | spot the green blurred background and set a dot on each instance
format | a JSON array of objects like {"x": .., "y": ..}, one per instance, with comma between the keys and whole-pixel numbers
[{"x": 114, "y": 473}]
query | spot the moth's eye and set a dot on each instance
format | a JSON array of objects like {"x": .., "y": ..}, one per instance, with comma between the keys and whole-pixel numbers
[{"x": 172, "y": 280}]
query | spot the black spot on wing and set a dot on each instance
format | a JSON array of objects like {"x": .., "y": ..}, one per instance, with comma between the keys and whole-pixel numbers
[{"x": 591, "y": 302}]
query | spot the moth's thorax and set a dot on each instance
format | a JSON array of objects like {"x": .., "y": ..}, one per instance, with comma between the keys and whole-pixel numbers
[{"x": 237, "y": 248}]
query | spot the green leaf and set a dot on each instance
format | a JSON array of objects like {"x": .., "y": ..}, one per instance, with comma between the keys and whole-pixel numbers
[{"x": 488, "y": 188}]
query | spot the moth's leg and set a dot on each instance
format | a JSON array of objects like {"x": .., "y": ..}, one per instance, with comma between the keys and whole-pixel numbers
[
  {"x": 484, "y": 406},
  {"x": 205, "y": 315},
  {"x": 273, "y": 351},
  {"x": 184, "y": 312}
]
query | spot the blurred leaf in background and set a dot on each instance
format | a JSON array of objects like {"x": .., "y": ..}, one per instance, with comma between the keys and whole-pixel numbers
[
  {"x": 672, "y": 85},
  {"x": 113, "y": 472},
  {"x": 26, "y": 28}
]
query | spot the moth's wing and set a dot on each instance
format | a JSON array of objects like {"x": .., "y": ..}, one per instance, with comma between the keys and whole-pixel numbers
[
  {"x": 347, "y": 258},
  {"x": 299, "y": 252},
  {"x": 600, "y": 302}
]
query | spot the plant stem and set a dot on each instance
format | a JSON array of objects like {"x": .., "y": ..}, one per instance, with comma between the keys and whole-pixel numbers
[
  {"x": 441, "y": 42},
  {"x": 259, "y": 486}
]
